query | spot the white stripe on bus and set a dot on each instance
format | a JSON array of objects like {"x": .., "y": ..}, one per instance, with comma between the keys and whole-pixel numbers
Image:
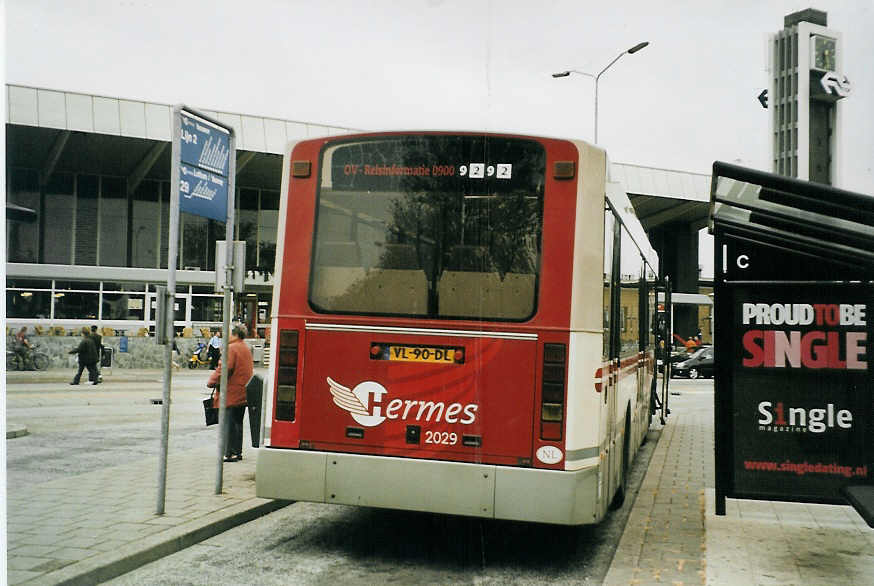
[{"x": 420, "y": 331}]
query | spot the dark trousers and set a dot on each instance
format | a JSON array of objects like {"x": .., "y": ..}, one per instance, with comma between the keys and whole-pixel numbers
[
  {"x": 213, "y": 354},
  {"x": 21, "y": 352},
  {"x": 234, "y": 433},
  {"x": 92, "y": 373}
]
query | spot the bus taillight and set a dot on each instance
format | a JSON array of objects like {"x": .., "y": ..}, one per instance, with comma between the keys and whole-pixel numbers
[
  {"x": 552, "y": 391},
  {"x": 286, "y": 386}
]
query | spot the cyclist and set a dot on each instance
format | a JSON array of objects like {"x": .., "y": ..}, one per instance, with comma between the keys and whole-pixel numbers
[{"x": 22, "y": 345}]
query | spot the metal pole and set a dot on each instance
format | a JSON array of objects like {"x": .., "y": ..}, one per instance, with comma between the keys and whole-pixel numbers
[
  {"x": 596, "y": 110},
  {"x": 598, "y": 77},
  {"x": 227, "y": 307},
  {"x": 170, "y": 300}
]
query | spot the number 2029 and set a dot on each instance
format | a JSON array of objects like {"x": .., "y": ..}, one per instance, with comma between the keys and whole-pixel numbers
[{"x": 441, "y": 437}]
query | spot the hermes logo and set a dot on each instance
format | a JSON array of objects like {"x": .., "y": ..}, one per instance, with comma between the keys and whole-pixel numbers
[{"x": 364, "y": 403}]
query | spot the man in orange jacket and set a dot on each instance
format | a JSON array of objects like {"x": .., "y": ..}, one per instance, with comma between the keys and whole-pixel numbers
[{"x": 240, "y": 370}]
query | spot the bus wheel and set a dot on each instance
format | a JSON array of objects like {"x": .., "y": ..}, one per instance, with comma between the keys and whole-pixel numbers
[{"x": 619, "y": 497}]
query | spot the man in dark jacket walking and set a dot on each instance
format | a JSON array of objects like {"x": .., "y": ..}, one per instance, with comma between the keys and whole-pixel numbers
[
  {"x": 98, "y": 343},
  {"x": 87, "y": 352}
]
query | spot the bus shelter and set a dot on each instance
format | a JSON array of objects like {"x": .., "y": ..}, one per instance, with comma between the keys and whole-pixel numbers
[{"x": 794, "y": 308}]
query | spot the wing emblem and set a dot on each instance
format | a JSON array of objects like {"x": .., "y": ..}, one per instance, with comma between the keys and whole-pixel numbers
[
  {"x": 346, "y": 399},
  {"x": 363, "y": 402}
]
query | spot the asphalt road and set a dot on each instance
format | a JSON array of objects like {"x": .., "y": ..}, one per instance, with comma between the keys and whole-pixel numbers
[
  {"x": 309, "y": 543},
  {"x": 77, "y": 429}
]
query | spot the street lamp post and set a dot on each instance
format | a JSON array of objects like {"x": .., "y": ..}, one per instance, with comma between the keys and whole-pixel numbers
[{"x": 596, "y": 77}]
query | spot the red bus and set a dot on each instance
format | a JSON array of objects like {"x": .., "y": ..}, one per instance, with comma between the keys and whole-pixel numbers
[{"x": 461, "y": 325}]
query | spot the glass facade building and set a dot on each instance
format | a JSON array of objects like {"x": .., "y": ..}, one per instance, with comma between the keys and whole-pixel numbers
[
  {"x": 92, "y": 175},
  {"x": 87, "y": 220}
]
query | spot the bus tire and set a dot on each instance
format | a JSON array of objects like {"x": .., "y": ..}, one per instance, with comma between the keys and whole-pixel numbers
[{"x": 619, "y": 497}]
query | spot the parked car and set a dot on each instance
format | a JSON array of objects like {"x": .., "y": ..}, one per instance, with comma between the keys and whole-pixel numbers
[
  {"x": 676, "y": 356},
  {"x": 697, "y": 365}
]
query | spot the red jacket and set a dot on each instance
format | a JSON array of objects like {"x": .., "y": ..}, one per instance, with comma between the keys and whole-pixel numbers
[{"x": 240, "y": 370}]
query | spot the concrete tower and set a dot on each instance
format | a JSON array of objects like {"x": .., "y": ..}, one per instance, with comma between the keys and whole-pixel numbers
[{"x": 806, "y": 84}]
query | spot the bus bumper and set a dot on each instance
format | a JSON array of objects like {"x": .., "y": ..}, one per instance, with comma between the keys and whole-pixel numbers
[{"x": 476, "y": 490}]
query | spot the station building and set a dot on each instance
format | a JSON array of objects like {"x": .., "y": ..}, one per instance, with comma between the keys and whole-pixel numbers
[
  {"x": 88, "y": 190},
  {"x": 88, "y": 179}
]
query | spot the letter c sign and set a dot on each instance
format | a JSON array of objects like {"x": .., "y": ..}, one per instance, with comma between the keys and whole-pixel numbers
[{"x": 743, "y": 261}]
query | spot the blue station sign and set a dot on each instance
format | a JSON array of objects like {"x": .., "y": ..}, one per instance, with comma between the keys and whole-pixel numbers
[{"x": 203, "y": 170}]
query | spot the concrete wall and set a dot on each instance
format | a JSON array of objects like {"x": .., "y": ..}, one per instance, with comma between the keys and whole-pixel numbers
[{"x": 141, "y": 352}]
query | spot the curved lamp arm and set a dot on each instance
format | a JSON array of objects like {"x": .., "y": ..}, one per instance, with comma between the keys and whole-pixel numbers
[{"x": 597, "y": 76}]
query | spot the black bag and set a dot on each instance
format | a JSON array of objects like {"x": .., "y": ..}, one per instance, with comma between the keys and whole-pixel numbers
[
  {"x": 254, "y": 394},
  {"x": 210, "y": 413}
]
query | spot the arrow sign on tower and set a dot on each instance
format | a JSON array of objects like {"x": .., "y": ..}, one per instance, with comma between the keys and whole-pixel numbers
[
  {"x": 763, "y": 99},
  {"x": 840, "y": 84}
]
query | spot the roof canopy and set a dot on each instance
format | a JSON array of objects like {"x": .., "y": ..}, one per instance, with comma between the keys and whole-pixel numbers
[{"x": 795, "y": 216}]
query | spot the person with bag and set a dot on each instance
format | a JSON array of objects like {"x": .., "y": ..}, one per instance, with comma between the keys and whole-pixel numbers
[
  {"x": 87, "y": 352},
  {"x": 240, "y": 369}
]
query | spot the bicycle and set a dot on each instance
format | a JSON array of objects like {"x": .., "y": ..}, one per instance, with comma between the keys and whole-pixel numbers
[{"x": 33, "y": 359}]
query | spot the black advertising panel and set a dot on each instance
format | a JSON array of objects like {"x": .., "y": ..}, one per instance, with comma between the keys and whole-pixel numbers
[
  {"x": 794, "y": 373},
  {"x": 800, "y": 361}
]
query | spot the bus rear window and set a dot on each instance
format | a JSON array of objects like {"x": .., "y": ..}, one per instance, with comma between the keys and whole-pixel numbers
[{"x": 432, "y": 226}]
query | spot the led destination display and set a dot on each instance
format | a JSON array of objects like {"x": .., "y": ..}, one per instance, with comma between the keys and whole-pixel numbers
[{"x": 414, "y": 162}]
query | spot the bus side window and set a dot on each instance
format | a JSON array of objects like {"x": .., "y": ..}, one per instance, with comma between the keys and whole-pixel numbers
[
  {"x": 609, "y": 244},
  {"x": 630, "y": 274}
]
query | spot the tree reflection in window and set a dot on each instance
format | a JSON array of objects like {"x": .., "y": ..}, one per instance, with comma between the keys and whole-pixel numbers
[{"x": 409, "y": 202}]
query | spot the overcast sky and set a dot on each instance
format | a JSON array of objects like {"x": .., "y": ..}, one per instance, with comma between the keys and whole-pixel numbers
[
  {"x": 687, "y": 99},
  {"x": 684, "y": 101}
]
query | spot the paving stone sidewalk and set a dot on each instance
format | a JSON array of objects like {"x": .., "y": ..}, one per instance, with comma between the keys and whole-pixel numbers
[
  {"x": 674, "y": 537},
  {"x": 89, "y": 528},
  {"x": 664, "y": 540},
  {"x": 771, "y": 542}
]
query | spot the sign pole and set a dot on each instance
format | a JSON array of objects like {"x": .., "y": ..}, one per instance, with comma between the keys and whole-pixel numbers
[
  {"x": 201, "y": 176},
  {"x": 227, "y": 308},
  {"x": 170, "y": 304}
]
